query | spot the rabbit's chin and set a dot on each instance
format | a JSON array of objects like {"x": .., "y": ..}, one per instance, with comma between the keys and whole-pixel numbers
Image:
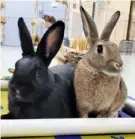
[
  {"x": 21, "y": 98},
  {"x": 108, "y": 73}
]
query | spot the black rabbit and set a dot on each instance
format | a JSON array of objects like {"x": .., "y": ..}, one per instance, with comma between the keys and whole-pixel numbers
[{"x": 35, "y": 91}]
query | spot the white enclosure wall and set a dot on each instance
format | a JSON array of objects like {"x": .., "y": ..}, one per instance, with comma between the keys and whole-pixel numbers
[
  {"x": 132, "y": 23},
  {"x": 75, "y": 22},
  {"x": 105, "y": 9}
]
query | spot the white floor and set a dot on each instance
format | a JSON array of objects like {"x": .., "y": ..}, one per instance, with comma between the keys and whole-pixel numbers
[{"x": 9, "y": 55}]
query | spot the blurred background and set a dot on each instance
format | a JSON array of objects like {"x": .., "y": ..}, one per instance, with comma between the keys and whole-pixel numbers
[{"x": 68, "y": 11}]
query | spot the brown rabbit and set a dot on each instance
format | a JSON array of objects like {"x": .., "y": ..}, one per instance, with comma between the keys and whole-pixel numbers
[{"x": 100, "y": 90}]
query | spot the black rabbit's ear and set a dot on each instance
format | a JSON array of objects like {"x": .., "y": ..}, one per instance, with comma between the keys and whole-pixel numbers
[
  {"x": 51, "y": 42},
  {"x": 25, "y": 38}
]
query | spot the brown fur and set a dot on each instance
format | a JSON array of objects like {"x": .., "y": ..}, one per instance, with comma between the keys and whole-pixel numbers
[{"x": 95, "y": 89}]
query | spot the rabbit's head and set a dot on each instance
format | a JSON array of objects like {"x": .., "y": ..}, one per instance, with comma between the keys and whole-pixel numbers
[
  {"x": 103, "y": 55},
  {"x": 31, "y": 76}
]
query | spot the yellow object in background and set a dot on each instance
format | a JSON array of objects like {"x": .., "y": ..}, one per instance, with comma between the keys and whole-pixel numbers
[
  {"x": 127, "y": 136},
  {"x": 3, "y": 20},
  {"x": 85, "y": 43},
  {"x": 11, "y": 70},
  {"x": 36, "y": 39},
  {"x": 79, "y": 44},
  {"x": 74, "y": 43},
  {"x": 4, "y": 102},
  {"x": 82, "y": 44}
]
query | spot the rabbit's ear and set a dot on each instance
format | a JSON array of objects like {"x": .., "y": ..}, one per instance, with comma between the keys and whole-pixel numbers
[
  {"x": 109, "y": 26},
  {"x": 25, "y": 38},
  {"x": 89, "y": 25},
  {"x": 51, "y": 42}
]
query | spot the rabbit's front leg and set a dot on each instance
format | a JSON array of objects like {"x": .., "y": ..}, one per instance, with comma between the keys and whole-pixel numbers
[
  {"x": 107, "y": 114},
  {"x": 119, "y": 100},
  {"x": 7, "y": 116},
  {"x": 83, "y": 114},
  {"x": 114, "y": 115},
  {"x": 83, "y": 110}
]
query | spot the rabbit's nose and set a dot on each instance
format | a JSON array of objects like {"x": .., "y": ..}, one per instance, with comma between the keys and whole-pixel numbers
[{"x": 118, "y": 66}]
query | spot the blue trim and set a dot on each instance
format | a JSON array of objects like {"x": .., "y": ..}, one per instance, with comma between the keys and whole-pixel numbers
[
  {"x": 129, "y": 97},
  {"x": 68, "y": 137}
]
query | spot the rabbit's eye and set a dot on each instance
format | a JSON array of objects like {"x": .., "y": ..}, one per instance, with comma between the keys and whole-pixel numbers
[{"x": 100, "y": 49}]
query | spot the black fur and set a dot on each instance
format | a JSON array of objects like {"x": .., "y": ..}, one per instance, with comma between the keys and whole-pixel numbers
[
  {"x": 36, "y": 91},
  {"x": 25, "y": 37},
  {"x": 93, "y": 114}
]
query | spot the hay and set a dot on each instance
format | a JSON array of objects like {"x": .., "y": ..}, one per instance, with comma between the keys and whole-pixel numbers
[
  {"x": 75, "y": 52},
  {"x": 73, "y": 57}
]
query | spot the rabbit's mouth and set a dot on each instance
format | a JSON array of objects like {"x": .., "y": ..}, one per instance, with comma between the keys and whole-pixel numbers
[
  {"x": 111, "y": 73},
  {"x": 113, "y": 68},
  {"x": 20, "y": 94}
]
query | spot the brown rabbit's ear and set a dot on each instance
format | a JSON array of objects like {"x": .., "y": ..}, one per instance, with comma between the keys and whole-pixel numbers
[
  {"x": 89, "y": 25},
  {"x": 25, "y": 38},
  {"x": 110, "y": 26}
]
